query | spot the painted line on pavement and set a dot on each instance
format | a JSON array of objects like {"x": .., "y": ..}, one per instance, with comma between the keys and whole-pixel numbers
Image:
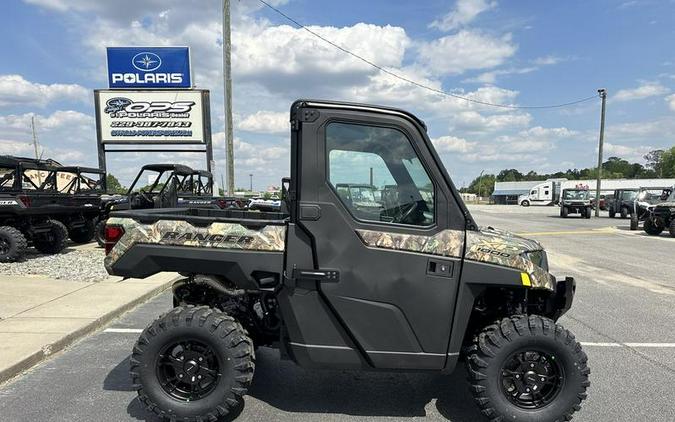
[
  {"x": 604, "y": 230},
  {"x": 647, "y": 345},
  {"x": 583, "y": 343},
  {"x": 123, "y": 330}
]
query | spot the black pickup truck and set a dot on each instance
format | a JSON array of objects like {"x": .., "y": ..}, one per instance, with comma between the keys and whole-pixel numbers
[
  {"x": 416, "y": 287},
  {"x": 42, "y": 203}
]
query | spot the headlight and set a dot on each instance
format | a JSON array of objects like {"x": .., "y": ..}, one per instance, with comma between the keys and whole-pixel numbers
[{"x": 539, "y": 258}]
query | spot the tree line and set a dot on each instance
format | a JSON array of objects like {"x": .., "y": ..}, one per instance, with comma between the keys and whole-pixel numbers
[{"x": 658, "y": 164}]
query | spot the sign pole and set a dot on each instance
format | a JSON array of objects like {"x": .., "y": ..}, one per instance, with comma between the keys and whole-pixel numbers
[{"x": 227, "y": 70}]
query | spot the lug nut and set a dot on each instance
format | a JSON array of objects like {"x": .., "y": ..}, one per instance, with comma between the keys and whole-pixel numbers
[
  {"x": 180, "y": 375},
  {"x": 517, "y": 376}
]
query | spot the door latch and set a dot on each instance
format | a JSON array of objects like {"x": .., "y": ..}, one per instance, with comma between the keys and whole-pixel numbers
[{"x": 440, "y": 268}]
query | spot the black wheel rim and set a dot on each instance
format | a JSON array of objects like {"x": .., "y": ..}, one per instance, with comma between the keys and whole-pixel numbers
[
  {"x": 4, "y": 246},
  {"x": 531, "y": 379},
  {"x": 188, "y": 370}
]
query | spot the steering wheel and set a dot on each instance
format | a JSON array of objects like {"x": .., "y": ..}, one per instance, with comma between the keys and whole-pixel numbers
[{"x": 406, "y": 211}]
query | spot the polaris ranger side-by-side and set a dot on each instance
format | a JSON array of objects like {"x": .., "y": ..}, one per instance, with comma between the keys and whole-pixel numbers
[
  {"x": 622, "y": 202},
  {"x": 417, "y": 287},
  {"x": 575, "y": 201},
  {"x": 169, "y": 186},
  {"x": 41, "y": 204}
]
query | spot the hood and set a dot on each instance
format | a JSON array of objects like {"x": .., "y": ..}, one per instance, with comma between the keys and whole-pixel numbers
[{"x": 509, "y": 250}]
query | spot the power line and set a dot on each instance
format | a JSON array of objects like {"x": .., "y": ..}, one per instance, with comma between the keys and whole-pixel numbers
[{"x": 413, "y": 82}]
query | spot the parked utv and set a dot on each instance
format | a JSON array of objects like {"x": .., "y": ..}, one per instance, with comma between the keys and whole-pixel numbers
[
  {"x": 575, "y": 201},
  {"x": 645, "y": 199},
  {"x": 622, "y": 202},
  {"x": 170, "y": 186},
  {"x": 417, "y": 287},
  {"x": 41, "y": 203},
  {"x": 661, "y": 216}
]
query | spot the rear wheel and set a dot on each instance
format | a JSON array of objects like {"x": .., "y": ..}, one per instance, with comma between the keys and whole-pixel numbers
[
  {"x": 54, "y": 241},
  {"x": 612, "y": 213},
  {"x": 634, "y": 223},
  {"x": 12, "y": 244},
  {"x": 624, "y": 212},
  {"x": 671, "y": 229},
  {"x": 192, "y": 364},
  {"x": 83, "y": 234},
  {"x": 527, "y": 368}
]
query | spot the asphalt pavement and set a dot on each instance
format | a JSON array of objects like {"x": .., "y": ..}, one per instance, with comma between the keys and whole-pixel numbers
[{"x": 623, "y": 313}]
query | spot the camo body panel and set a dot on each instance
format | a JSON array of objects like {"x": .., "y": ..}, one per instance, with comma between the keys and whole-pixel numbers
[
  {"x": 216, "y": 235},
  {"x": 487, "y": 245},
  {"x": 445, "y": 243}
]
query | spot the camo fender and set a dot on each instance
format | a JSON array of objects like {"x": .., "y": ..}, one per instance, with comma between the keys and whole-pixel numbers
[{"x": 181, "y": 233}]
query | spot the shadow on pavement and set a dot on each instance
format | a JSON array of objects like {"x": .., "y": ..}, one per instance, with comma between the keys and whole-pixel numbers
[{"x": 289, "y": 388}]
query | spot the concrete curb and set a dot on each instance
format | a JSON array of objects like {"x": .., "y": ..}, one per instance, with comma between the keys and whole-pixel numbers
[{"x": 49, "y": 349}]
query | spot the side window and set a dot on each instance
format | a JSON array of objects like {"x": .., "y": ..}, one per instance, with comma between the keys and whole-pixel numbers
[
  {"x": 546, "y": 192},
  {"x": 378, "y": 176},
  {"x": 533, "y": 192},
  {"x": 7, "y": 178}
]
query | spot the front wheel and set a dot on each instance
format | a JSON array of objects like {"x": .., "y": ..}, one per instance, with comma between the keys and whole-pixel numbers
[
  {"x": 192, "y": 364},
  {"x": 588, "y": 213},
  {"x": 527, "y": 369},
  {"x": 611, "y": 212},
  {"x": 624, "y": 212},
  {"x": 525, "y": 203},
  {"x": 653, "y": 227},
  {"x": 563, "y": 212},
  {"x": 83, "y": 234},
  {"x": 671, "y": 229},
  {"x": 100, "y": 233}
]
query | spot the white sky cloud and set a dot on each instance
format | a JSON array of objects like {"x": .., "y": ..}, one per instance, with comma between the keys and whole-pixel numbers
[
  {"x": 17, "y": 91},
  {"x": 646, "y": 90},
  {"x": 270, "y": 122},
  {"x": 452, "y": 144},
  {"x": 671, "y": 101},
  {"x": 466, "y": 50},
  {"x": 464, "y": 12}
]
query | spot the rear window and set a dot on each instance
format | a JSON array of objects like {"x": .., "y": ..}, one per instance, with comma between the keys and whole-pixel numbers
[{"x": 7, "y": 178}]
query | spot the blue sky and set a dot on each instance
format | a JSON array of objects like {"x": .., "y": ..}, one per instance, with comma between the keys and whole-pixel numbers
[{"x": 522, "y": 53}]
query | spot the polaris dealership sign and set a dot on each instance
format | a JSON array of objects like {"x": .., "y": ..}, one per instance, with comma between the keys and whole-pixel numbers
[
  {"x": 152, "y": 117},
  {"x": 149, "y": 67}
]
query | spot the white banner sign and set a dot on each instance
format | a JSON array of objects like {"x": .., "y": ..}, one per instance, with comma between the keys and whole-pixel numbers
[{"x": 158, "y": 117}]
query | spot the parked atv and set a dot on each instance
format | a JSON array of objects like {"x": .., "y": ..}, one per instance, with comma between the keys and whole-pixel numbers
[
  {"x": 645, "y": 199},
  {"x": 417, "y": 287},
  {"x": 575, "y": 201},
  {"x": 38, "y": 207},
  {"x": 661, "y": 216}
]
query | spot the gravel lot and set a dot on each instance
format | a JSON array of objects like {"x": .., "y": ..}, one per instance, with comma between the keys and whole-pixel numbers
[{"x": 76, "y": 262}]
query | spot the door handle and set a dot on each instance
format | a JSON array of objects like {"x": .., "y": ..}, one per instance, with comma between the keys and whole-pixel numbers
[
  {"x": 326, "y": 276},
  {"x": 440, "y": 268}
]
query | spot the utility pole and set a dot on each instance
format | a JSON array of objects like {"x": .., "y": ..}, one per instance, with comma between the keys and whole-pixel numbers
[
  {"x": 35, "y": 141},
  {"x": 227, "y": 73},
  {"x": 222, "y": 185},
  {"x": 371, "y": 176},
  {"x": 480, "y": 185},
  {"x": 603, "y": 95},
  {"x": 251, "y": 182}
]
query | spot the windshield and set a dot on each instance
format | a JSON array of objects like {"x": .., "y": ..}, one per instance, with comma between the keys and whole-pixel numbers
[
  {"x": 362, "y": 193},
  {"x": 628, "y": 195},
  {"x": 575, "y": 194}
]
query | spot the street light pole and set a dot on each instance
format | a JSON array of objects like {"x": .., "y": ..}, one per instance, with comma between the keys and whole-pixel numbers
[
  {"x": 227, "y": 74},
  {"x": 603, "y": 95}
]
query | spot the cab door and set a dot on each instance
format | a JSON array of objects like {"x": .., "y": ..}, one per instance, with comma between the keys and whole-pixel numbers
[{"x": 387, "y": 270}]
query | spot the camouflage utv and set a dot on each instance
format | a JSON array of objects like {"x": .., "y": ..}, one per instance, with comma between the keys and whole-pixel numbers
[{"x": 416, "y": 286}]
